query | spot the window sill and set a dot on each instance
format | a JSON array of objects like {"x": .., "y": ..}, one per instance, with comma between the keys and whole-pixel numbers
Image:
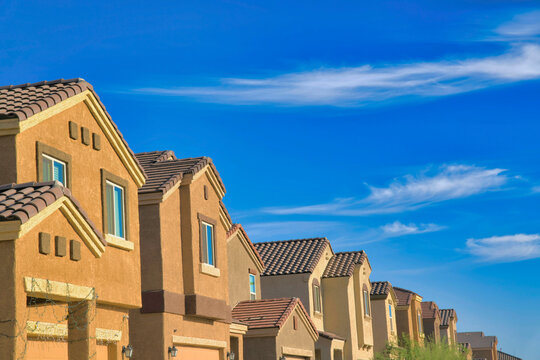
[
  {"x": 119, "y": 243},
  {"x": 210, "y": 270}
]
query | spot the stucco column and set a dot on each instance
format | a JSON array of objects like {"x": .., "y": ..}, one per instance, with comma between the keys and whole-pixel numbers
[
  {"x": 81, "y": 331},
  {"x": 12, "y": 305}
]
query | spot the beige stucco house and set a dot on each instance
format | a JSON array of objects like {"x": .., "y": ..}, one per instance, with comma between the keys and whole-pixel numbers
[
  {"x": 69, "y": 225},
  {"x": 448, "y": 327},
  {"x": 184, "y": 261},
  {"x": 245, "y": 266},
  {"x": 483, "y": 347},
  {"x": 295, "y": 268},
  {"x": 431, "y": 321},
  {"x": 279, "y": 329},
  {"x": 409, "y": 315},
  {"x": 383, "y": 306}
]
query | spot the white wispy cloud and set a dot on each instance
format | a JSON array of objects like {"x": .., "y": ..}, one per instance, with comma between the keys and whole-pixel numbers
[
  {"x": 397, "y": 228},
  {"x": 506, "y": 248},
  {"x": 525, "y": 25},
  {"x": 410, "y": 192},
  {"x": 282, "y": 230},
  {"x": 365, "y": 84}
]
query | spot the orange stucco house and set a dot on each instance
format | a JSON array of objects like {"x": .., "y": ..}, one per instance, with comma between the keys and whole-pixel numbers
[
  {"x": 184, "y": 261},
  {"x": 481, "y": 346},
  {"x": 431, "y": 321},
  {"x": 448, "y": 327},
  {"x": 69, "y": 225},
  {"x": 383, "y": 305}
]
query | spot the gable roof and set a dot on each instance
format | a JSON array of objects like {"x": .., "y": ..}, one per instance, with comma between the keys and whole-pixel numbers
[
  {"x": 380, "y": 288},
  {"x": 342, "y": 264},
  {"x": 22, "y": 202},
  {"x": 404, "y": 296},
  {"x": 21, "y": 102},
  {"x": 504, "y": 356},
  {"x": 291, "y": 256},
  {"x": 446, "y": 315},
  {"x": 477, "y": 339},
  {"x": 164, "y": 170},
  {"x": 251, "y": 248},
  {"x": 430, "y": 310},
  {"x": 269, "y": 313}
]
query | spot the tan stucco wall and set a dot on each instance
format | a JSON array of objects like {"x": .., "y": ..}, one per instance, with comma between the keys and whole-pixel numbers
[
  {"x": 318, "y": 318},
  {"x": 260, "y": 348},
  {"x": 193, "y": 203},
  {"x": 239, "y": 264},
  {"x": 432, "y": 329},
  {"x": 416, "y": 308},
  {"x": 490, "y": 354},
  {"x": 279, "y": 286},
  {"x": 404, "y": 322},
  {"x": 291, "y": 338},
  {"x": 8, "y": 160},
  {"x": 382, "y": 333}
]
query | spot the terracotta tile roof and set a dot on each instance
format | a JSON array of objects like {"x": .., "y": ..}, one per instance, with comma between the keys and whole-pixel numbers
[
  {"x": 24, "y": 201},
  {"x": 239, "y": 227},
  {"x": 446, "y": 315},
  {"x": 504, "y": 356},
  {"x": 380, "y": 288},
  {"x": 404, "y": 296},
  {"x": 291, "y": 256},
  {"x": 164, "y": 170},
  {"x": 25, "y": 100},
  {"x": 430, "y": 310},
  {"x": 268, "y": 313},
  {"x": 477, "y": 339},
  {"x": 331, "y": 336},
  {"x": 343, "y": 263}
]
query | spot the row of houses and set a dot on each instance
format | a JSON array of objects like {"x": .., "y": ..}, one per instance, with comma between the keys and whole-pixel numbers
[{"x": 107, "y": 254}]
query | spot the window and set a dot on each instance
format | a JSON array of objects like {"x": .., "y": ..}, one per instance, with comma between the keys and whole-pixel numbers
[
  {"x": 391, "y": 317},
  {"x": 53, "y": 169},
  {"x": 252, "y": 287},
  {"x": 420, "y": 328},
  {"x": 317, "y": 298},
  {"x": 367, "y": 311},
  {"x": 115, "y": 210},
  {"x": 207, "y": 243}
]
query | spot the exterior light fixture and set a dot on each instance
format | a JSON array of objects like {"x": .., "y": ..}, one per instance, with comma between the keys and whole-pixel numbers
[
  {"x": 127, "y": 351},
  {"x": 282, "y": 357},
  {"x": 173, "y": 351},
  {"x": 230, "y": 355}
]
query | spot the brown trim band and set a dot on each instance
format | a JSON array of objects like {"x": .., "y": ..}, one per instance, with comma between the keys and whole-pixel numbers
[
  {"x": 163, "y": 301},
  {"x": 209, "y": 308},
  {"x": 105, "y": 175},
  {"x": 55, "y": 153}
]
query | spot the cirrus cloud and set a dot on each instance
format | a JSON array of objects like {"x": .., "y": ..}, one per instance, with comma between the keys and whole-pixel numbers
[{"x": 506, "y": 248}]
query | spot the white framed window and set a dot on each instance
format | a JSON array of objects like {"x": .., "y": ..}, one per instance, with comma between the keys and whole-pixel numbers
[
  {"x": 116, "y": 214},
  {"x": 367, "y": 309},
  {"x": 207, "y": 244},
  {"x": 420, "y": 327},
  {"x": 252, "y": 287},
  {"x": 53, "y": 169},
  {"x": 391, "y": 316},
  {"x": 317, "y": 306}
]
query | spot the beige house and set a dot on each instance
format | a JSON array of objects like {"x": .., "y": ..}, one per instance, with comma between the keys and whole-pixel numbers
[
  {"x": 184, "y": 261},
  {"x": 448, "y": 326},
  {"x": 483, "y": 347},
  {"x": 245, "y": 266},
  {"x": 431, "y": 321},
  {"x": 279, "y": 329},
  {"x": 383, "y": 306},
  {"x": 294, "y": 268},
  {"x": 409, "y": 315},
  {"x": 69, "y": 225}
]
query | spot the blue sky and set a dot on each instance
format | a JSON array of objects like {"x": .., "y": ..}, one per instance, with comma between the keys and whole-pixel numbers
[{"x": 408, "y": 129}]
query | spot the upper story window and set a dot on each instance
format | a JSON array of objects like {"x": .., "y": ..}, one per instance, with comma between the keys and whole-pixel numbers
[
  {"x": 115, "y": 210},
  {"x": 391, "y": 316},
  {"x": 53, "y": 169},
  {"x": 252, "y": 287},
  {"x": 207, "y": 243},
  {"x": 367, "y": 309},
  {"x": 420, "y": 327},
  {"x": 317, "y": 306}
]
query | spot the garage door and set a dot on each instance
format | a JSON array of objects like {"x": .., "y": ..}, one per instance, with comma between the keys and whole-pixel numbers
[
  {"x": 195, "y": 353},
  {"x": 46, "y": 350}
]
